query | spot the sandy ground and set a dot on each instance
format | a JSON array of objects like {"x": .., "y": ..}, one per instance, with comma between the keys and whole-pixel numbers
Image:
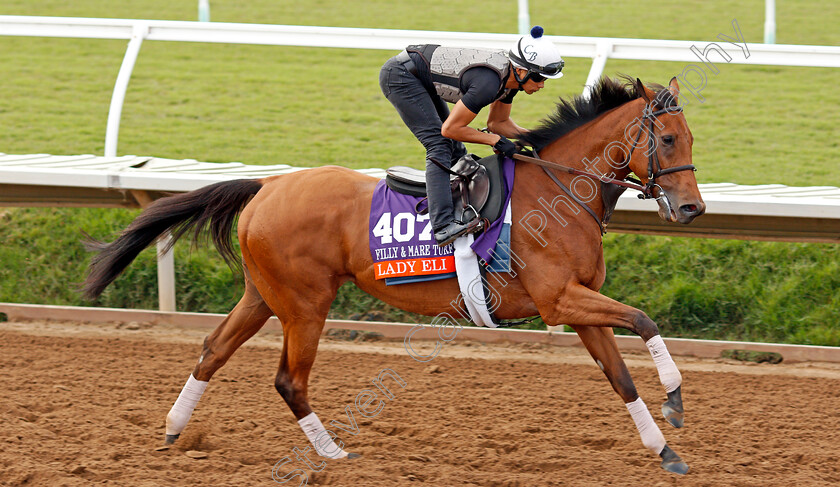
[{"x": 85, "y": 404}]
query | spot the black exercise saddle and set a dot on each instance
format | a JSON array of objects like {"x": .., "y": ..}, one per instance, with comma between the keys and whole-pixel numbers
[{"x": 477, "y": 186}]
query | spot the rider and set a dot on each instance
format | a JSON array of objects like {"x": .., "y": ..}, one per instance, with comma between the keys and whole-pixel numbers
[{"x": 421, "y": 79}]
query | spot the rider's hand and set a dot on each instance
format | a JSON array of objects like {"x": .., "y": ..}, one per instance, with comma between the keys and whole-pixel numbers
[{"x": 505, "y": 147}]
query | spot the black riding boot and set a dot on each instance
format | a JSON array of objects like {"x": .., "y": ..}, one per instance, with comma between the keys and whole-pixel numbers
[
  {"x": 441, "y": 208},
  {"x": 451, "y": 232}
]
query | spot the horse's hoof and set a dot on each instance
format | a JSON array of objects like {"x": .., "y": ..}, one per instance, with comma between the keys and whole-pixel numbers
[
  {"x": 674, "y": 417},
  {"x": 351, "y": 456},
  {"x": 170, "y": 439},
  {"x": 672, "y": 462},
  {"x": 672, "y": 409}
]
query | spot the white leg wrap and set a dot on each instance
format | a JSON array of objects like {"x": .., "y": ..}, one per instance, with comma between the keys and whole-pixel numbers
[
  {"x": 651, "y": 435},
  {"x": 181, "y": 411},
  {"x": 321, "y": 440},
  {"x": 669, "y": 376}
]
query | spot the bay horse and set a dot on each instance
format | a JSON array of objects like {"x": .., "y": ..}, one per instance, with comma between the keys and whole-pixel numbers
[{"x": 304, "y": 234}]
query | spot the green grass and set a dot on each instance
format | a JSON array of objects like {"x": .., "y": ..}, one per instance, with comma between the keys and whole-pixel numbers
[
  {"x": 309, "y": 107},
  {"x": 729, "y": 289},
  {"x": 305, "y": 106}
]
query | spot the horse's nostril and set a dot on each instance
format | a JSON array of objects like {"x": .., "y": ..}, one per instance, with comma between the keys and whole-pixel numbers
[{"x": 689, "y": 209}]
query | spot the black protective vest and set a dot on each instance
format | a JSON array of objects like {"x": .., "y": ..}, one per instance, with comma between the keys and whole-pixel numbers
[{"x": 448, "y": 64}]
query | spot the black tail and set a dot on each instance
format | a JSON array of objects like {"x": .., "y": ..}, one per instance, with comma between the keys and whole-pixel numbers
[{"x": 216, "y": 205}]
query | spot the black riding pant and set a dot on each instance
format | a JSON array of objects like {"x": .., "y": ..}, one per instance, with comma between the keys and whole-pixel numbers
[{"x": 424, "y": 114}]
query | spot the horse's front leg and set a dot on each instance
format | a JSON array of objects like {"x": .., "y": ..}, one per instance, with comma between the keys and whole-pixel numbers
[
  {"x": 580, "y": 305},
  {"x": 600, "y": 342},
  {"x": 583, "y": 308}
]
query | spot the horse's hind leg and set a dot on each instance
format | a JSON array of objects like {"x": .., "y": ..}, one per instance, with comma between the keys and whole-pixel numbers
[
  {"x": 300, "y": 344},
  {"x": 249, "y": 315},
  {"x": 600, "y": 342},
  {"x": 303, "y": 318}
]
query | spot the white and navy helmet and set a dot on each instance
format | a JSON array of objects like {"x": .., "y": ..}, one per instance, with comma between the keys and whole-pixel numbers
[{"x": 538, "y": 55}]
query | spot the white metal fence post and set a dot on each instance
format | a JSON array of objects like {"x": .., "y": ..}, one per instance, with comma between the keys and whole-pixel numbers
[
  {"x": 770, "y": 21},
  {"x": 112, "y": 132},
  {"x": 204, "y": 10},
  {"x": 602, "y": 53},
  {"x": 165, "y": 260},
  {"x": 524, "y": 18},
  {"x": 166, "y": 274}
]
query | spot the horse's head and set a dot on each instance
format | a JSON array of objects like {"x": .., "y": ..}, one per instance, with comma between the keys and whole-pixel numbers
[{"x": 662, "y": 160}]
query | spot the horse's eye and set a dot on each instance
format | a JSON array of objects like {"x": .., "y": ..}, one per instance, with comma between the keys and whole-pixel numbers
[{"x": 668, "y": 139}]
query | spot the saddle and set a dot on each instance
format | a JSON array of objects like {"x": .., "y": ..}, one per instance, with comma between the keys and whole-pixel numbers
[{"x": 478, "y": 186}]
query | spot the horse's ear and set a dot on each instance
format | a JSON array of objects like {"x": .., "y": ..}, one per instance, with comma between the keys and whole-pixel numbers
[
  {"x": 674, "y": 88},
  {"x": 643, "y": 91}
]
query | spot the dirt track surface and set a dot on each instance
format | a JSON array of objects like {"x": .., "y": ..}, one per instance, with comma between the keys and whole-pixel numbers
[{"x": 85, "y": 404}]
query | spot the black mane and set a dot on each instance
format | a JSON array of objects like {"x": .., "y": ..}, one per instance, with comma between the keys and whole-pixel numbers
[{"x": 607, "y": 94}]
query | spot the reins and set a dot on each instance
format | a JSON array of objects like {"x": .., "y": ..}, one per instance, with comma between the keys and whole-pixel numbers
[{"x": 577, "y": 172}]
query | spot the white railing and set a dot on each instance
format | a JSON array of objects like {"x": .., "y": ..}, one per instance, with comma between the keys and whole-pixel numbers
[
  {"x": 292, "y": 35},
  {"x": 599, "y": 49}
]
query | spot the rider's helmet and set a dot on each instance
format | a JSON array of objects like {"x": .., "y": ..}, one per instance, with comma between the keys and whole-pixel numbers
[{"x": 538, "y": 55}]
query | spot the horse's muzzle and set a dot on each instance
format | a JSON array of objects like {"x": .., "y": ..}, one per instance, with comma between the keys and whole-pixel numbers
[
  {"x": 685, "y": 213},
  {"x": 688, "y": 212}
]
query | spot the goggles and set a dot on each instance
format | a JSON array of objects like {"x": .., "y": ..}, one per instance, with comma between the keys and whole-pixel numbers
[
  {"x": 550, "y": 69},
  {"x": 537, "y": 77}
]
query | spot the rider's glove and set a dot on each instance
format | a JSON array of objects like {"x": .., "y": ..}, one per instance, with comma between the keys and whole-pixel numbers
[{"x": 505, "y": 147}]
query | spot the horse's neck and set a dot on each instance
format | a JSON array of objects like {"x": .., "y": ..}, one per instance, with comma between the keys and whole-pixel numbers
[{"x": 584, "y": 149}]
